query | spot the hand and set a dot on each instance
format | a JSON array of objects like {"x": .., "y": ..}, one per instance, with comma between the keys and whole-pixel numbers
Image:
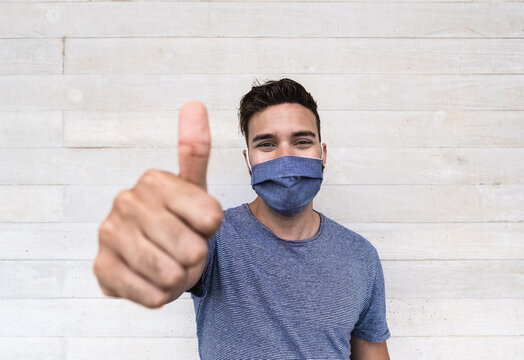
[{"x": 153, "y": 243}]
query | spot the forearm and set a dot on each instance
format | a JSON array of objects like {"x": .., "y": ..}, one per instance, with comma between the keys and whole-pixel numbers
[{"x": 367, "y": 350}]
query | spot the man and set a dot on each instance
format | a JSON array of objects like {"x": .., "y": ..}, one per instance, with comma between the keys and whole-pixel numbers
[{"x": 272, "y": 279}]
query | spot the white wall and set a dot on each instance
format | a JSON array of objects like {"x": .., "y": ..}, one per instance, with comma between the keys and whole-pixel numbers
[{"x": 422, "y": 108}]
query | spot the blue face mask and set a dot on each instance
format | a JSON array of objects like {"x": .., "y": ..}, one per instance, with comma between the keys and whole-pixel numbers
[{"x": 288, "y": 183}]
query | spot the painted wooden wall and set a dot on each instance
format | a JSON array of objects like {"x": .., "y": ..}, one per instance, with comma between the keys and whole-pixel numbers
[{"x": 422, "y": 108}]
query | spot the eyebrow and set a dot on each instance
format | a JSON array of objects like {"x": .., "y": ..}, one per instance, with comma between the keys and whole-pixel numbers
[
  {"x": 263, "y": 137},
  {"x": 303, "y": 133},
  {"x": 295, "y": 134}
]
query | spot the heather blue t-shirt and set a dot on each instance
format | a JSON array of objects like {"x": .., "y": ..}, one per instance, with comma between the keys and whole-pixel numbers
[{"x": 263, "y": 297}]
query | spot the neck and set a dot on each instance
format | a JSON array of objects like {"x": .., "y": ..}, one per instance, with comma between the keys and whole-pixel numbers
[{"x": 300, "y": 226}]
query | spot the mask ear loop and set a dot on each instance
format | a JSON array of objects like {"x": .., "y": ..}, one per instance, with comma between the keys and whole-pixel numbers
[{"x": 248, "y": 162}]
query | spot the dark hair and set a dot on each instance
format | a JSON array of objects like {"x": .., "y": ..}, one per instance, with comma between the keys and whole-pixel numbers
[{"x": 273, "y": 92}]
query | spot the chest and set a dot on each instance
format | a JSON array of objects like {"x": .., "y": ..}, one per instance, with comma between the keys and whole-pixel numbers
[{"x": 317, "y": 289}]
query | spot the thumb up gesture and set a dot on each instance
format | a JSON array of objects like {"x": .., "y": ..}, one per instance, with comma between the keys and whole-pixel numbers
[{"x": 153, "y": 243}]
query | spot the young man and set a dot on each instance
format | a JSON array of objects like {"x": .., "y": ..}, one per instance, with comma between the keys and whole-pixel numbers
[{"x": 272, "y": 279}]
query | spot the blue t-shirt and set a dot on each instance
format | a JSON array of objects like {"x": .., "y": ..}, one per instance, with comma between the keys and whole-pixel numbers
[{"x": 263, "y": 297}]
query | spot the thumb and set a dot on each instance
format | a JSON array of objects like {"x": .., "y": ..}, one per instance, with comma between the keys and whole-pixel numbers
[{"x": 194, "y": 143}]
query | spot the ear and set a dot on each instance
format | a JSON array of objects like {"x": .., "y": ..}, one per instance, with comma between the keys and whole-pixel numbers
[
  {"x": 324, "y": 156},
  {"x": 246, "y": 160}
]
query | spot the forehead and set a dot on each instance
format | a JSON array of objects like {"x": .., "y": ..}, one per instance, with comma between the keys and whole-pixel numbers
[{"x": 282, "y": 118}]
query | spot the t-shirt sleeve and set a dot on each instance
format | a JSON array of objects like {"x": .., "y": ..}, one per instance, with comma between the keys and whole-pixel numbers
[
  {"x": 201, "y": 287},
  {"x": 372, "y": 324}
]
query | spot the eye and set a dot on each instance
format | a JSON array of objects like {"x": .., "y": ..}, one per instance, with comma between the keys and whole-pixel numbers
[
  {"x": 266, "y": 144},
  {"x": 304, "y": 142}
]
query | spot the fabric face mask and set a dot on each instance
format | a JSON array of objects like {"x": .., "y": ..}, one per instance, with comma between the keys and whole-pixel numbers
[{"x": 288, "y": 183}]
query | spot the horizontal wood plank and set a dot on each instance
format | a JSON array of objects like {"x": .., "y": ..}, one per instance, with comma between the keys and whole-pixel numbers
[
  {"x": 85, "y": 348},
  {"x": 440, "y": 241},
  {"x": 95, "y": 317},
  {"x": 48, "y": 241},
  {"x": 422, "y": 203},
  {"x": 256, "y": 19},
  {"x": 222, "y": 92},
  {"x": 93, "y": 203},
  {"x": 403, "y": 279},
  {"x": 454, "y": 279},
  {"x": 31, "y": 203},
  {"x": 349, "y": 203},
  {"x": 31, "y": 348},
  {"x": 31, "y": 129},
  {"x": 116, "y": 317},
  {"x": 391, "y": 129},
  {"x": 455, "y": 317},
  {"x": 292, "y": 56},
  {"x": 394, "y": 241},
  {"x": 233, "y": 1},
  {"x": 455, "y": 347},
  {"x": 132, "y": 348},
  {"x": 30, "y": 56},
  {"x": 346, "y": 166}
]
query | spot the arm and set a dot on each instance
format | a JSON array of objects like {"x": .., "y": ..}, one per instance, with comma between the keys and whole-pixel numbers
[
  {"x": 368, "y": 350},
  {"x": 153, "y": 245}
]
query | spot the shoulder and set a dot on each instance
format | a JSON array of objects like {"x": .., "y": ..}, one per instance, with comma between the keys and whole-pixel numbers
[
  {"x": 235, "y": 219},
  {"x": 350, "y": 240},
  {"x": 235, "y": 212}
]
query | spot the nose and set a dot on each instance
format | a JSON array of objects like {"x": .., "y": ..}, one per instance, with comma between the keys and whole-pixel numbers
[{"x": 285, "y": 149}]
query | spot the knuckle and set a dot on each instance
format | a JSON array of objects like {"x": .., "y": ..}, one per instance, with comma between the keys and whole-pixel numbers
[
  {"x": 213, "y": 217},
  {"x": 149, "y": 178},
  {"x": 170, "y": 276},
  {"x": 156, "y": 300},
  {"x": 197, "y": 253},
  {"x": 125, "y": 202},
  {"x": 163, "y": 274},
  {"x": 98, "y": 268},
  {"x": 106, "y": 231},
  {"x": 146, "y": 257},
  {"x": 101, "y": 264},
  {"x": 110, "y": 236}
]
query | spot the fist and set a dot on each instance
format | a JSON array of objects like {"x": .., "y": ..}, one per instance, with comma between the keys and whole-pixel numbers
[{"x": 153, "y": 243}]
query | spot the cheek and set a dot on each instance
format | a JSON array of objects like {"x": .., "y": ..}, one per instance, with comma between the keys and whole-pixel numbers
[{"x": 261, "y": 156}]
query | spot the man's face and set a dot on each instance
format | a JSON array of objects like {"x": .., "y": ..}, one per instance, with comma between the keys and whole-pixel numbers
[{"x": 284, "y": 129}]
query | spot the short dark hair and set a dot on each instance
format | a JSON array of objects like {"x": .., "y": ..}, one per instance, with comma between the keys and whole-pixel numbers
[{"x": 273, "y": 92}]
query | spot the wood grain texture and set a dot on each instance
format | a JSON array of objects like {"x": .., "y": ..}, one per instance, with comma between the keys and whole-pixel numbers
[
  {"x": 83, "y": 348},
  {"x": 452, "y": 241},
  {"x": 346, "y": 166},
  {"x": 348, "y": 203},
  {"x": 455, "y": 347},
  {"x": 31, "y": 348},
  {"x": 255, "y": 19},
  {"x": 31, "y": 203},
  {"x": 348, "y": 129},
  {"x": 48, "y": 241},
  {"x": 31, "y": 56},
  {"x": 31, "y": 129},
  {"x": 122, "y": 318},
  {"x": 95, "y": 317},
  {"x": 292, "y": 55},
  {"x": 394, "y": 241},
  {"x": 404, "y": 279},
  {"x": 220, "y": 92},
  {"x": 422, "y": 203},
  {"x": 456, "y": 317}
]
